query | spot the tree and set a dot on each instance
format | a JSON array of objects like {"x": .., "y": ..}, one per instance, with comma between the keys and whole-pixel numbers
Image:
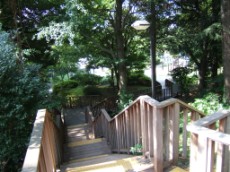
[
  {"x": 225, "y": 15},
  {"x": 102, "y": 34},
  {"x": 23, "y": 19},
  {"x": 22, "y": 92},
  {"x": 197, "y": 31}
]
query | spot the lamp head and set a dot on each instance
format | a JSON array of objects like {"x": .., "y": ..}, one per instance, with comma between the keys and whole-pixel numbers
[{"x": 141, "y": 25}]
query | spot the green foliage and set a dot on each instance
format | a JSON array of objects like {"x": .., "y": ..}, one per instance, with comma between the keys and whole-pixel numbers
[
  {"x": 65, "y": 85},
  {"x": 91, "y": 90},
  {"x": 22, "y": 92},
  {"x": 84, "y": 78},
  {"x": 180, "y": 76},
  {"x": 58, "y": 32},
  {"x": 138, "y": 78},
  {"x": 136, "y": 149},
  {"x": 124, "y": 100},
  {"x": 209, "y": 103}
]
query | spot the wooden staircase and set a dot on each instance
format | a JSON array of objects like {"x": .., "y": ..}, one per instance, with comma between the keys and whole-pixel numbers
[
  {"x": 80, "y": 146},
  {"x": 156, "y": 124},
  {"x": 84, "y": 153}
]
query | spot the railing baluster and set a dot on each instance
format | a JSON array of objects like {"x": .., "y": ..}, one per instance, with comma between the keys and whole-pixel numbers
[
  {"x": 158, "y": 140},
  {"x": 210, "y": 155},
  {"x": 185, "y": 122}
]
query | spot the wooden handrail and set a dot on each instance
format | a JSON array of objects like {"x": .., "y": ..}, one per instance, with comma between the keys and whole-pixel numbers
[
  {"x": 210, "y": 143},
  {"x": 153, "y": 124},
  {"x": 45, "y": 148}
]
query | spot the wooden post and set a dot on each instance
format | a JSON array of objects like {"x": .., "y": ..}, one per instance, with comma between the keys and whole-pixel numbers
[
  {"x": 158, "y": 140},
  {"x": 193, "y": 153},
  {"x": 202, "y": 153},
  {"x": 127, "y": 121},
  {"x": 185, "y": 120},
  {"x": 210, "y": 156},
  {"x": 176, "y": 132},
  {"x": 143, "y": 124},
  {"x": 226, "y": 163},
  {"x": 166, "y": 134}
]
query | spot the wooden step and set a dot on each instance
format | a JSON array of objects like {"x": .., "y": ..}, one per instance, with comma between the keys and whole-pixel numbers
[
  {"x": 84, "y": 142},
  {"x": 77, "y": 133},
  {"x": 176, "y": 169},
  {"x": 108, "y": 163},
  {"x": 85, "y": 149}
]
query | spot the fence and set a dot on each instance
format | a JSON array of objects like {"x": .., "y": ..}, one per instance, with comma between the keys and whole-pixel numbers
[
  {"x": 45, "y": 148},
  {"x": 210, "y": 143},
  {"x": 153, "y": 124}
]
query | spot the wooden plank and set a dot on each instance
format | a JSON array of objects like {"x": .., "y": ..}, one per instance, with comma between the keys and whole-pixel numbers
[
  {"x": 127, "y": 121},
  {"x": 148, "y": 129},
  {"x": 143, "y": 136},
  {"x": 167, "y": 133},
  {"x": 158, "y": 140},
  {"x": 176, "y": 132},
  {"x": 210, "y": 156},
  {"x": 185, "y": 133},
  {"x": 170, "y": 142},
  {"x": 226, "y": 163},
  {"x": 193, "y": 167},
  {"x": 211, "y": 134},
  {"x": 202, "y": 153},
  {"x": 151, "y": 132},
  {"x": 219, "y": 157},
  {"x": 31, "y": 164},
  {"x": 208, "y": 120}
]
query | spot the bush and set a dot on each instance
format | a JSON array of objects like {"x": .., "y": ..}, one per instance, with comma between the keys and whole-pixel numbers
[
  {"x": 91, "y": 90},
  {"x": 22, "y": 92},
  {"x": 66, "y": 85},
  {"x": 87, "y": 78},
  {"x": 180, "y": 76},
  {"x": 124, "y": 100},
  {"x": 209, "y": 103},
  {"x": 138, "y": 78}
]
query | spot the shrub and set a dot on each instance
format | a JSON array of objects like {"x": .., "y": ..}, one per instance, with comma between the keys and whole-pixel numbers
[
  {"x": 136, "y": 149},
  {"x": 209, "y": 103},
  {"x": 87, "y": 78},
  {"x": 180, "y": 76},
  {"x": 66, "y": 85},
  {"x": 91, "y": 90},
  {"x": 138, "y": 78},
  {"x": 124, "y": 100},
  {"x": 22, "y": 92}
]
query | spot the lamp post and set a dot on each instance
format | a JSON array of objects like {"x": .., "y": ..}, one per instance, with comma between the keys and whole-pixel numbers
[{"x": 143, "y": 25}]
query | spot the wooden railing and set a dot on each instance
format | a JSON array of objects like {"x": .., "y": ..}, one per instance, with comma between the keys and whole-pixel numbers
[
  {"x": 153, "y": 124},
  {"x": 210, "y": 143},
  {"x": 45, "y": 148},
  {"x": 82, "y": 101}
]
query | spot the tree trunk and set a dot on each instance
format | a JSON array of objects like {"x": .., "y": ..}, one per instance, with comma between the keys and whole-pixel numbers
[
  {"x": 202, "y": 70},
  {"x": 225, "y": 16},
  {"x": 214, "y": 68},
  {"x": 122, "y": 82}
]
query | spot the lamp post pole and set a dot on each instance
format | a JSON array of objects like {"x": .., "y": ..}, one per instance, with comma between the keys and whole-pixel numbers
[
  {"x": 143, "y": 25},
  {"x": 153, "y": 48}
]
